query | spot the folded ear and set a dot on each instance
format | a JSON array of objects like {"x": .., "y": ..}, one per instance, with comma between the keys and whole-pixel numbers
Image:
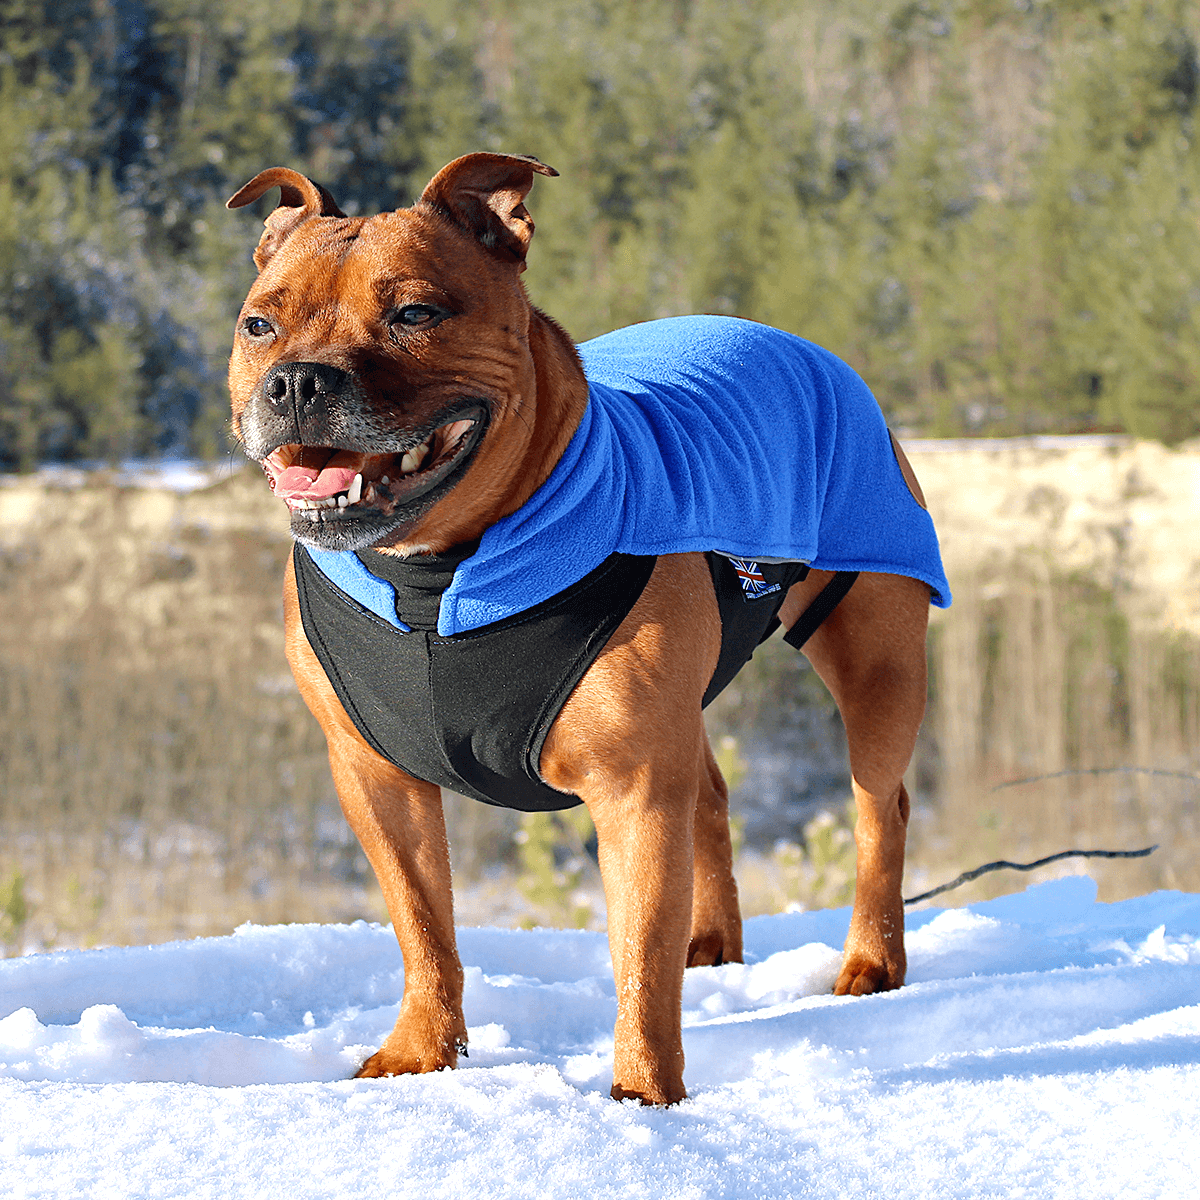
[
  {"x": 483, "y": 194},
  {"x": 299, "y": 199}
]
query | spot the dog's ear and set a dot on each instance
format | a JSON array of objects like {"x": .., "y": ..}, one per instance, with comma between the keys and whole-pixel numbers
[
  {"x": 484, "y": 194},
  {"x": 299, "y": 199}
]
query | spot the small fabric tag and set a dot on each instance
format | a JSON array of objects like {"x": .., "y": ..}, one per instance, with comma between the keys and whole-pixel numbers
[{"x": 754, "y": 583}]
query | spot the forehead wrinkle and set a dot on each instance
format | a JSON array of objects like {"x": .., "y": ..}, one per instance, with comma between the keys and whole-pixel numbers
[
  {"x": 426, "y": 241},
  {"x": 321, "y": 245},
  {"x": 273, "y": 298},
  {"x": 280, "y": 298},
  {"x": 336, "y": 235},
  {"x": 389, "y": 289}
]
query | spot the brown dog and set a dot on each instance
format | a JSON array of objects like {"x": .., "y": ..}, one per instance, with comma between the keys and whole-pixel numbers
[{"x": 403, "y": 395}]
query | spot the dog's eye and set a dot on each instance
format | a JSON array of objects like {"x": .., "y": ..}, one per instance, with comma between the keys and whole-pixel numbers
[
  {"x": 257, "y": 327},
  {"x": 413, "y": 316}
]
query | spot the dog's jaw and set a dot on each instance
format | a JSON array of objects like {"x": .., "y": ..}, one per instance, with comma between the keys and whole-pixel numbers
[{"x": 350, "y": 499}]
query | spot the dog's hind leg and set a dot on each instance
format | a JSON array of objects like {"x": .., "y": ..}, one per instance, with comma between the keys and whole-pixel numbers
[
  {"x": 716, "y": 918},
  {"x": 870, "y": 653}
]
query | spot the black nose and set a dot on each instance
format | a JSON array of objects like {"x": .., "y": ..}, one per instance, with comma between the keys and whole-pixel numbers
[{"x": 301, "y": 388}]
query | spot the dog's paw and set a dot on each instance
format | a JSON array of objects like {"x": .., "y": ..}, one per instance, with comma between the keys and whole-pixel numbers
[
  {"x": 706, "y": 950},
  {"x": 381, "y": 1064},
  {"x": 716, "y": 938},
  {"x": 402, "y": 1054},
  {"x": 863, "y": 977},
  {"x": 654, "y": 1096},
  {"x": 650, "y": 1073}
]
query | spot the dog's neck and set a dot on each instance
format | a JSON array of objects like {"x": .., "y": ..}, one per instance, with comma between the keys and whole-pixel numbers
[{"x": 562, "y": 396}]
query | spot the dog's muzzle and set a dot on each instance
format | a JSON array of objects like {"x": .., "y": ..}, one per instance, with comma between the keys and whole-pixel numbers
[{"x": 303, "y": 390}]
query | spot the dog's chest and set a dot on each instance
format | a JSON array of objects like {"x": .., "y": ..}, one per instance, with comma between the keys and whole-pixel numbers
[{"x": 469, "y": 712}]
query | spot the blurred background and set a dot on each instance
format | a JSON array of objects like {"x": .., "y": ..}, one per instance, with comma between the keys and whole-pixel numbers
[{"x": 988, "y": 207}]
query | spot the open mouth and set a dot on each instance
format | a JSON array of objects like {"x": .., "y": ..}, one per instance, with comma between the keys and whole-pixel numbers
[{"x": 329, "y": 484}]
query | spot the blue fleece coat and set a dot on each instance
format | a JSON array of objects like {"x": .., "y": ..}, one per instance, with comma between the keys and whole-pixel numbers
[{"x": 701, "y": 433}]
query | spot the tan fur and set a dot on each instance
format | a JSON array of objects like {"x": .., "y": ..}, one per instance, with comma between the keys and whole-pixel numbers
[{"x": 630, "y": 740}]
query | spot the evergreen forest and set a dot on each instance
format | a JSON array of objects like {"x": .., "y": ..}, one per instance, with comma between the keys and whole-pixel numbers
[{"x": 989, "y": 207}]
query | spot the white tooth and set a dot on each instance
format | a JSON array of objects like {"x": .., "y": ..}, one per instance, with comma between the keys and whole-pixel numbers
[
  {"x": 343, "y": 502},
  {"x": 354, "y": 495},
  {"x": 416, "y": 456},
  {"x": 385, "y": 481}
]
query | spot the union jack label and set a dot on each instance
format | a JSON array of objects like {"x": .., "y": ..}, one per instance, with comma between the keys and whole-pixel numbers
[{"x": 754, "y": 585}]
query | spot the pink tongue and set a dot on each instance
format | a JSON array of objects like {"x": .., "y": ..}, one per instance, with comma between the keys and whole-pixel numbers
[{"x": 306, "y": 483}]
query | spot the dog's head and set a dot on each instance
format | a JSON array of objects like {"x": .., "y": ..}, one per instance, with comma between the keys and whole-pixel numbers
[{"x": 380, "y": 362}]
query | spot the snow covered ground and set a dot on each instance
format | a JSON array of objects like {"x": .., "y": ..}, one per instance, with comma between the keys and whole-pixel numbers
[{"x": 1046, "y": 1046}]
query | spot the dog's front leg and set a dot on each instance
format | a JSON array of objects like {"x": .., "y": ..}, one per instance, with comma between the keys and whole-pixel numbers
[
  {"x": 399, "y": 822},
  {"x": 644, "y": 834},
  {"x": 630, "y": 743}
]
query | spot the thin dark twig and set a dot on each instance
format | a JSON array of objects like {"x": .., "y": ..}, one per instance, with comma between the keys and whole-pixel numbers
[
  {"x": 1001, "y": 864},
  {"x": 1100, "y": 771}
]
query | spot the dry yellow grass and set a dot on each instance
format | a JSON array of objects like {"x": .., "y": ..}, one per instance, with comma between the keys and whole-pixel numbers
[{"x": 160, "y": 778}]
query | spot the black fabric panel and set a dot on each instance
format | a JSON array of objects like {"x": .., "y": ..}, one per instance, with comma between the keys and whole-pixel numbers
[
  {"x": 470, "y": 712},
  {"x": 380, "y": 675},
  {"x": 746, "y": 621},
  {"x": 419, "y": 581},
  {"x": 533, "y": 662}
]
